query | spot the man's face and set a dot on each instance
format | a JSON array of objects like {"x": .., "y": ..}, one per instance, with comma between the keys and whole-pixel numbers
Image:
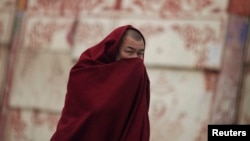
[{"x": 131, "y": 48}]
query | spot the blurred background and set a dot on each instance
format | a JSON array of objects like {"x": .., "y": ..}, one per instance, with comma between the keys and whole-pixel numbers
[{"x": 197, "y": 56}]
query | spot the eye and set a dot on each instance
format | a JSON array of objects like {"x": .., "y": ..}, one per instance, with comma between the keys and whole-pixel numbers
[
  {"x": 141, "y": 53},
  {"x": 129, "y": 52}
]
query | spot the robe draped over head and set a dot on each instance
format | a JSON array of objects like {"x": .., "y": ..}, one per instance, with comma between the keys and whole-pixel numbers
[{"x": 106, "y": 100}]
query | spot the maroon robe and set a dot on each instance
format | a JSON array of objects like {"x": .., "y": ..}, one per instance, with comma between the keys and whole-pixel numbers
[{"x": 106, "y": 100}]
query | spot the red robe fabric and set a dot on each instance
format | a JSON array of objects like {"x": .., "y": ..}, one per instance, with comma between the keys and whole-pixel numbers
[{"x": 106, "y": 100}]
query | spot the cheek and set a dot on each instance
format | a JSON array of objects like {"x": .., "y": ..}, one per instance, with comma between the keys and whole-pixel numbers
[
  {"x": 141, "y": 57},
  {"x": 124, "y": 55}
]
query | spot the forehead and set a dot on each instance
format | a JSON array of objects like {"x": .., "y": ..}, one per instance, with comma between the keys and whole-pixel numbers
[{"x": 129, "y": 41}]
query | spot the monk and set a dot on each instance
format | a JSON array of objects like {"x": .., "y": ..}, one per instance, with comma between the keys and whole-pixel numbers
[{"x": 108, "y": 92}]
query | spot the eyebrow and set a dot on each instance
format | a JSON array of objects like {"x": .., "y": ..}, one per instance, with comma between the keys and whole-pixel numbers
[{"x": 134, "y": 48}]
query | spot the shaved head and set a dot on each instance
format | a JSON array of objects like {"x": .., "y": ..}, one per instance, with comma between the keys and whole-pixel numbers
[{"x": 134, "y": 34}]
